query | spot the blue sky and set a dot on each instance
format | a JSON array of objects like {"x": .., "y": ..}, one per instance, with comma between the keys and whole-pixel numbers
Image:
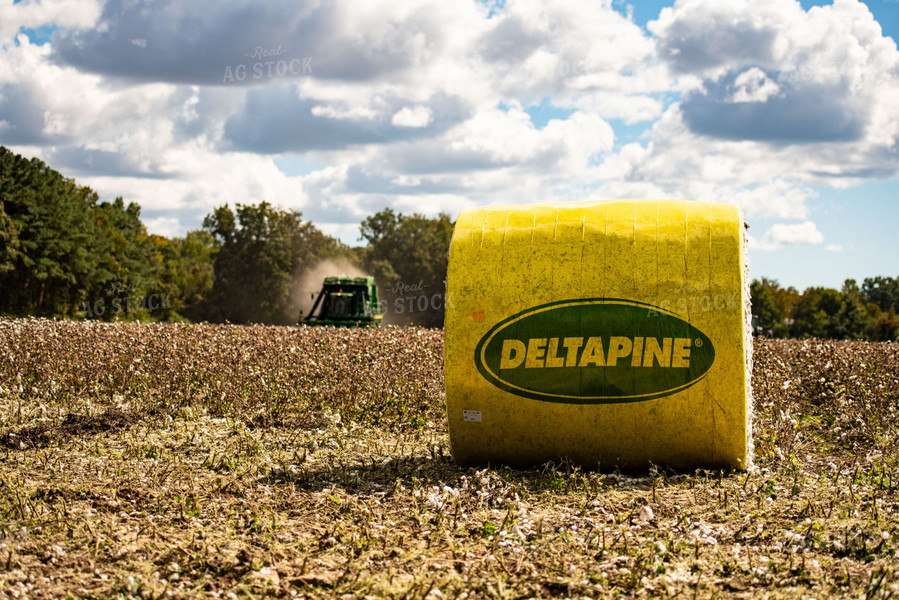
[
  {"x": 340, "y": 110},
  {"x": 862, "y": 221}
]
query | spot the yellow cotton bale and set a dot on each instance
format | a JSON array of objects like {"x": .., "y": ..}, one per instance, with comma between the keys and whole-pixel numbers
[{"x": 611, "y": 333}]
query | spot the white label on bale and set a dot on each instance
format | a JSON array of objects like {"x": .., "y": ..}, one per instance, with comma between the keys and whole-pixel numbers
[{"x": 473, "y": 416}]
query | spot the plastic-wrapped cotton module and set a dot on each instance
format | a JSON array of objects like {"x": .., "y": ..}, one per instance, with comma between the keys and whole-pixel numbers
[{"x": 613, "y": 333}]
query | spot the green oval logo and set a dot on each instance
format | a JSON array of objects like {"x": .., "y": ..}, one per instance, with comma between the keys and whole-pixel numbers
[{"x": 594, "y": 351}]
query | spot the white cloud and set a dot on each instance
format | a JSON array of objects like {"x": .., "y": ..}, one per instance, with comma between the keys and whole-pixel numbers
[
  {"x": 777, "y": 100},
  {"x": 164, "y": 226},
  {"x": 754, "y": 85},
  {"x": 403, "y": 96},
  {"x": 581, "y": 54},
  {"x": 827, "y": 75},
  {"x": 33, "y": 14},
  {"x": 44, "y": 103},
  {"x": 796, "y": 234},
  {"x": 352, "y": 113},
  {"x": 416, "y": 116}
]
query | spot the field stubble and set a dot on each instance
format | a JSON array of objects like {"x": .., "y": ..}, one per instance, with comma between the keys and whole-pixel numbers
[{"x": 157, "y": 461}]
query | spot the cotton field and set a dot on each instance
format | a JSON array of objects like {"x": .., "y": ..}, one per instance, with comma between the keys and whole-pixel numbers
[{"x": 222, "y": 461}]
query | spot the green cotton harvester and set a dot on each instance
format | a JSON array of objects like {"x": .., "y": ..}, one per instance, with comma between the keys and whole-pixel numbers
[{"x": 346, "y": 302}]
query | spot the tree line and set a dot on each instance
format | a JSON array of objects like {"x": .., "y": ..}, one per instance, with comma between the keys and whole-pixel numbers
[
  {"x": 65, "y": 254},
  {"x": 866, "y": 312}
]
